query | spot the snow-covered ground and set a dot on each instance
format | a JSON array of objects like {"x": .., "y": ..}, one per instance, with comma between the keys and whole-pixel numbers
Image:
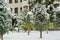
[{"x": 34, "y": 35}]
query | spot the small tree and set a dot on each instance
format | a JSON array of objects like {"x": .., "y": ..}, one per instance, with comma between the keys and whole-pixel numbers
[
  {"x": 40, "y": 11},
  {"x": 3, "y": 27},
  {"x": 3, "y": 18},
  {"x": 39, "y": 23},
  {"x": 27, "y": 22}
]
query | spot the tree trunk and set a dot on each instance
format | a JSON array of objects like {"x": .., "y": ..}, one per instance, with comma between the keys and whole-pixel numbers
[
  {"x": 8, "y": 31},
  {"x": 1, "y": 36},
  {"x": 40, "y": 34},
  {"x": 47, "y": 31},
  {"x": 28, "y": 31},
  {"x": 18, "y": 29}
]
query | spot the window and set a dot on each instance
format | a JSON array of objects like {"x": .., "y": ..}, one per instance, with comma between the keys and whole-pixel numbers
[
  {"x": 16, "y": 10},
  {"x": 20, "y": 0},
  {"x": 56, "y": 5},
  {"x": 10, "y": 1},
  {"x": 30, "y": 7},
  {"x": 21, "y": 9},
  {"x": 16, "y": 1}
]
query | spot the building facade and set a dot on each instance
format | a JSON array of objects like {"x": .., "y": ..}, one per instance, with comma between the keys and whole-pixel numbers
[{"x": 17, "y": 6}]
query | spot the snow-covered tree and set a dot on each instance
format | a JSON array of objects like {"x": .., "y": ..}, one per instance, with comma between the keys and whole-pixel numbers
[
  {"x": 3, "y": 18},
  {"x": 43, "y": 13},
  {"x": 28, "y": 21}
]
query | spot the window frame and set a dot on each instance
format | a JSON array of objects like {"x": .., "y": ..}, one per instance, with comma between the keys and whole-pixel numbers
[
  {"x": 20, "y": 0},
  {"x": 16, "y": 1},
  {"x": 10, "y": 1},
  {"x": 16, "y": 10}
]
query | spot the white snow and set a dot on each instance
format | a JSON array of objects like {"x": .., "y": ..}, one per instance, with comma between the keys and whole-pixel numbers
[
  {"x": 30, "y": 13},
  {"x": 34, "y": 35}
]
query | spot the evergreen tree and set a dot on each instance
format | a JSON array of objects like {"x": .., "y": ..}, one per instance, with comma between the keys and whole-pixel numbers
[
  {"x": 3, "y": 18},
  {"x": 39, "y": 13},
  {"x": 28, "y": 24}
]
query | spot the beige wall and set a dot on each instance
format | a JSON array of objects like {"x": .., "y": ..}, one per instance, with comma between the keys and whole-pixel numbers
[
  {"x": 57, "y": 2},
  {"x": 18, "y": 5}
]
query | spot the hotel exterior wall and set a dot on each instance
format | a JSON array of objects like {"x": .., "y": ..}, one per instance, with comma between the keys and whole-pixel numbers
[{"x": 17, "y": 5}]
